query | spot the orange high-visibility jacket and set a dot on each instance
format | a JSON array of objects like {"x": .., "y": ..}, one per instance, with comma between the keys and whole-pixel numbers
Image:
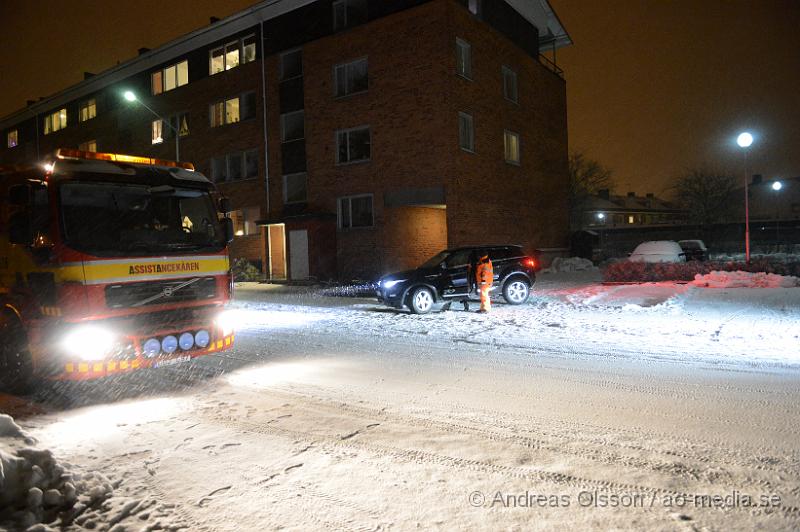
[{"x": 484, "y": 273}]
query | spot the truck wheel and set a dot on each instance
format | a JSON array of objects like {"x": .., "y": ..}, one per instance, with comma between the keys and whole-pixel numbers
[
  {"x": 16, "y": 368},
  {"x": 421, "y": 300},
  {"x": 516, "y": 291}
]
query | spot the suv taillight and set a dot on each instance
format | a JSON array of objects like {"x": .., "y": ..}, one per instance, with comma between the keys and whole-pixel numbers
[{"x": 530, "y": 262}]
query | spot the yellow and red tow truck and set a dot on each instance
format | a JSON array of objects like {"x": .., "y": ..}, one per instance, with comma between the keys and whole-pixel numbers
[{"x": 109, "y": 263}]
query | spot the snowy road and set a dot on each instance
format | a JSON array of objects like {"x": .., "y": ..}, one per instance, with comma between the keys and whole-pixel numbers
[{"x": 603, "y": 407}]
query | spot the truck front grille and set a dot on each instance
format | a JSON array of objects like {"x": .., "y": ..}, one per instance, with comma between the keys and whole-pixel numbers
[{"x": 128, "y": 295}]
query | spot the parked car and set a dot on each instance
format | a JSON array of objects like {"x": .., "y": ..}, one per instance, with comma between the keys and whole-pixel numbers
[
  {"x": 443, "y": 279},
  {"x": 694, "y": 249},
  {"x": 658, "y": 251}
]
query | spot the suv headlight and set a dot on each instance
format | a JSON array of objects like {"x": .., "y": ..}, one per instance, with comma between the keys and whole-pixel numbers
[
  {"x": 88, "y": 342},
  {"x": 390, "y": 284}
]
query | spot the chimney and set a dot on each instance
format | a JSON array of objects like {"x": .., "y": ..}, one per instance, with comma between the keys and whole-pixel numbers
[
  {"x": 87, "y": 75},
  {"x": 757, "y": 179},
  {"x": 631, "y": 194},
  {"x": 603, "y": 193},
  {"x": 143, "y": 50},
  {"x": 213, "y": 20}
]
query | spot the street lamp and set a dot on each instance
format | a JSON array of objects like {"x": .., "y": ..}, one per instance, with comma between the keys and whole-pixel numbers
[
  {"x": 745, "y": 140},
  {"x": 131, "y": 97}
]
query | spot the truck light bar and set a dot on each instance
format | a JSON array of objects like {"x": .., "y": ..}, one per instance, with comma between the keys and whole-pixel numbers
[{"x": 66, "y": 153}]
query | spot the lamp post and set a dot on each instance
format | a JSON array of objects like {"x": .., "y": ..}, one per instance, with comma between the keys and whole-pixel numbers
[
  {"x": 131, "y": 97},
  {"x": 744, "y": 140},
  {"x": 777, "y": 186}
]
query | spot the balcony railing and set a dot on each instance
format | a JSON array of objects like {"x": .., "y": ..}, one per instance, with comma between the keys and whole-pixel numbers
[{"x": 552, "y": 67}]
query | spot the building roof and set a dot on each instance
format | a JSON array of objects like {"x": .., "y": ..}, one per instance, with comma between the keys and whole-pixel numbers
[
  {"x": 630, "y": 203},
  {"x": 537, "y": 12}
]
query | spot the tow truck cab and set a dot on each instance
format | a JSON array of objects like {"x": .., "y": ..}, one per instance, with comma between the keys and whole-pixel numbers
[{"x": 110, "y": 263}]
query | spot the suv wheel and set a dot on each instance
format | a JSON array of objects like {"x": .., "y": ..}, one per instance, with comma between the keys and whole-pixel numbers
[
  {"x": 516, "y": 291},
  {"x": 421, "y": 300},
  {"x": 16, "y": 369}
]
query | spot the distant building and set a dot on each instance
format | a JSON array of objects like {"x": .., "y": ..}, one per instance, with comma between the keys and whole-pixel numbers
[
  {"x": 605, "y": 210},
  {"x": 353, "y": 137}
]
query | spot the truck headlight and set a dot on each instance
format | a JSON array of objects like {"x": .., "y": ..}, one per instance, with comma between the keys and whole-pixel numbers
[
  {"x": 226, "y": 321},
  {"x": 88, "y": 342},
  {"x": 390, "y": 284}
]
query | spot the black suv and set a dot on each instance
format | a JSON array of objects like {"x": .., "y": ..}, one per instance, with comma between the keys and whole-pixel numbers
[{"x": 443, "y": 278}]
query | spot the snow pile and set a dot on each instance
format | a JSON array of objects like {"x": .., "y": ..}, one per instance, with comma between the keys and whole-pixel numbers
[
  {"x": 739, "y": 279},
  {"x": 35, "y": 488},
  {"x": 572, "y": 264}
]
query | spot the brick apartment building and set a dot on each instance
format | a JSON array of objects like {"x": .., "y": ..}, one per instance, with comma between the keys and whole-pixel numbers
[{"x": 354, "y": 137}]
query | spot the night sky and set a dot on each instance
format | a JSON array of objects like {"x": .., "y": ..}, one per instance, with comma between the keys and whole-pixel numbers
[{"x": 654, "y": 87}]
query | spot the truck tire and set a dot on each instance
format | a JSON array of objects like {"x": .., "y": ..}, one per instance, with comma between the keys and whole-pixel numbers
[{"x": 16, "y": 367}]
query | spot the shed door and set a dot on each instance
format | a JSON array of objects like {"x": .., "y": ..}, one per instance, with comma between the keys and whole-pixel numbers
[{"x": 298, "y": 254}]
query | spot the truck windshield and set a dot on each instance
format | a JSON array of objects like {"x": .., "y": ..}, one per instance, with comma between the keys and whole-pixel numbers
[{"x": 114, "y": 219}]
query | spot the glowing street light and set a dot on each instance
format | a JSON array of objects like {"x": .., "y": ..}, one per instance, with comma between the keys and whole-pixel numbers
[
  {"x": 601, "y": 216},
  {"x": 745, "y": 140},
  {"x": 777, "y": 185},
  {"x": 131, "y": 97}
]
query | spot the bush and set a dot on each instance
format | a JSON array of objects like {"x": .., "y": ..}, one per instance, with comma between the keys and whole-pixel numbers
[
  {"x": 646, "y": 272},
  {"x": 244, "y": 270}
]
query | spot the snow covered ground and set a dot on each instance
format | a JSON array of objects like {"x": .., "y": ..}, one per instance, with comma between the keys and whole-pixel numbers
[{"x": 658, "y": 406}]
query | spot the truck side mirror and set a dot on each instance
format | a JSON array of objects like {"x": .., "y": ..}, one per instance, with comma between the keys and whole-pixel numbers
[
  {"x": 228, "y": 229},
  {"x": 224, "y": 205},
  {"x": 20, "y": 230}
]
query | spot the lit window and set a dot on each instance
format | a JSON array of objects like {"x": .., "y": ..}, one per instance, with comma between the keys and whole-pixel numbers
[
  {"x": 232, "y": 55},
  {"x": 295, "y": 188},
  {"x": 55, "y": 121},
  {"x": 88, "y": 110},
  {"x": 181, "y": 124},
  {"x": 292, "y": 126},
  {"x": 353, "y": 145},
  {"x": 291, "y": 65},
  {"x": 355, "y": 211},
  {"x": 510, "y": 85},
  {"x": 511, "y": 147},
  {"x": 347, "y": 13},
  {"x": 170, "y": 78},
  {"x": 631, "y": 219},
  {"x": 89, "y": 145},
  {"x": 463, "y": 58},
  {"x": 466, "y": 132},
  {"x": 12, "y": 138},
  {"x": 351, "y": 78},
  {"x": 157, "y": 132},
  {"x": 231, "y": 110},
  {"x": 249, "y": 49}
]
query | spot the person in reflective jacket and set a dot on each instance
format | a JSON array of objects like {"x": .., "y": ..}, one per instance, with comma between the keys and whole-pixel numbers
[{"x": 484, "y": 275}]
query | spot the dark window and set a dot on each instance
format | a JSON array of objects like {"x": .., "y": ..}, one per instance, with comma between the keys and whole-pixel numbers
[
  {"x": 248, "y": 106},
  {"x": 251, "y": 163},
  {"x": 295, "y": 188},
  {"x": 466, "y": 132},
  {"x": 219, "y": 169},
  {"x": 510, "y": 85},
  {"x": 291, "y": 65},
  {"x": 292, "y": 126},
  {"x": 235, "y": 164},
  {"x": 291, "y": 95},
  {"x": 463, "y": 59},
  {"x": 353, "y": 145},
  {"x": 351, "y": 78},
  {"x": 355, "y": 211},
  {"x": 348, "y": 13},
  {"x": 293, "y": 157}
]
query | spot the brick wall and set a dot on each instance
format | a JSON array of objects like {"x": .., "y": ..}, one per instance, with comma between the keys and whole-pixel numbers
[{"x": 412, "y": 236}]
